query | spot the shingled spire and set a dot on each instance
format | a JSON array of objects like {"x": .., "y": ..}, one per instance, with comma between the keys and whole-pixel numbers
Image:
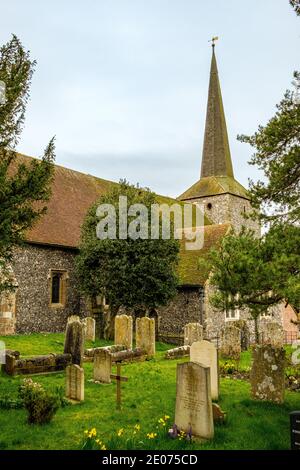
[{"x": 216, "y": 158}]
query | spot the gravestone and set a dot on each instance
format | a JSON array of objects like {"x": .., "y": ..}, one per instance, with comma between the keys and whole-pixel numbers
[
  {"x": 205, "y": 353},
  {"x": 193, "y": 411},
  {"x": 74, "y": 340},
  {"x": 102, "y": 366},
  {"x": 90, "y": 329},
  {"x": 231, "y": 342},
  {"x": 123, "y": 330},
  {"x": 75, "y": 383},
  {"x": 272, "y": 333},
  {"x": 192, "y": 332},
  {"x": 295, "y": 430},
  {"x": 145, "y": 335},
  {"x": 267, "y": 376}
]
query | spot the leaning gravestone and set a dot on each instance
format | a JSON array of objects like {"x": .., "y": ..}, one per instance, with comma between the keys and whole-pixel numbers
[
  {"x": 90, "y": 329},
  {"x": 193, "y": 411},
  {"x": 145, "y": 335},
  {"x": 123, "y": 330},
  {"x": 272, "y": 333},
  {"x": 102, "y": 366},
  {"x": 267, "y": 376},
  {"x": 231, "y": 342},
  {"x": 75, "y": 383},
  {"x": 205, "y": 353},
  {"x": 74, "y": 341},
  {"x": 192, "y": 332}
]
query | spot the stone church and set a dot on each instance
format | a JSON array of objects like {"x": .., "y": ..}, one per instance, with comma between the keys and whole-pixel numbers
[{"x": 47, "y": 290}]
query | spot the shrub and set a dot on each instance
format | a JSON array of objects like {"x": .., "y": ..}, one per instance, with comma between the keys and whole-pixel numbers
[{"x": 40, "y": 404}]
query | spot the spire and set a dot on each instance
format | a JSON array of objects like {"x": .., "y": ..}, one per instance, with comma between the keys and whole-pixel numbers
[{"x": 216, "y": 158}]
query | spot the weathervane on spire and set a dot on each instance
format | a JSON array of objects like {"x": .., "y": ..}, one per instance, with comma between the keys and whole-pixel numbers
[{"x": 213, "y": 40}]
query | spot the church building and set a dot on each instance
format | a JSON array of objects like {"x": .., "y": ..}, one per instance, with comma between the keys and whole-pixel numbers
[{"x": 47, "y": 290}]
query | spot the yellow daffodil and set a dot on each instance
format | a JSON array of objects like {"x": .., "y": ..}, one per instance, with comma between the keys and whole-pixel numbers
[
  {"x": 137, "y": 427},
  {"x": 103, "y": 448},
  {"x": 151, "y": 435},
  {"x": 166, "y": 417},
  {"x": 120, "y": 432}
]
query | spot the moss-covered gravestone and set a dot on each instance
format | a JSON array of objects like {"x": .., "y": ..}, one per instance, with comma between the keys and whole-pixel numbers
[
  {"x": 192, "y": 332},
  {"x": 267, "y": 374},
  {"x": 74, "y": 341}
]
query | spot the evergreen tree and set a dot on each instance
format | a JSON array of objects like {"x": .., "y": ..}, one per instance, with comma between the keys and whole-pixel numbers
[{"x": 23, "y": 188}]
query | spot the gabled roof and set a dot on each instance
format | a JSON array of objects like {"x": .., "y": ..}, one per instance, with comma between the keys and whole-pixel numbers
[
  {"x": 214, "y": 185},
  {"x": 188, "y": 268},
  {"x": 73, "y": 193}
]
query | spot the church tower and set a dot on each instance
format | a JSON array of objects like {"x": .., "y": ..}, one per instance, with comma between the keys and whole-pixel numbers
[{"x": 223, "y": 198}]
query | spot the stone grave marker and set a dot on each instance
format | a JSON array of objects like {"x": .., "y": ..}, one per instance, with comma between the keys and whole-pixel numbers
[
  {"x": 119, "y": 379},
  {"x": 193, "y": 411},
  {"x": 231, "y": 342},
  {"x": 102, "y": 366},
  {"x": 267, "y": 376},
  {"x": 205, "y": 353},
  {"x": 192, "y": 332},
  {"x": 145, "y": 335},
  {"x": 75, "y": 383},
  {"x": 123, "y": 330},
  {"x": 74, "y": 341},
  {"x": 90, "y": 329}
]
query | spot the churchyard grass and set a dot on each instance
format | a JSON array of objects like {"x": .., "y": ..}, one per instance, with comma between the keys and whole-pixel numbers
[{"x": 148, "y": 395}]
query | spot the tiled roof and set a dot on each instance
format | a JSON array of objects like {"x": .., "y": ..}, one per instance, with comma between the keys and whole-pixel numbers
[
  {"x": 72, "y": 195},
  {"x": 212, "y": 186},
  {"x": 188, "y": 269}
]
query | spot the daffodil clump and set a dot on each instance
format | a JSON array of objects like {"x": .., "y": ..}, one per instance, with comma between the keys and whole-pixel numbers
[
  {"x": 133, "y": 437},
  {"x": 92, "y": 442}
]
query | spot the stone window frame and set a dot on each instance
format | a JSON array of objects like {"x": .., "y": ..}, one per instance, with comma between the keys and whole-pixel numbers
[
  {"x": 232, "y": 314},
  {"x": 63, "y": 287}
]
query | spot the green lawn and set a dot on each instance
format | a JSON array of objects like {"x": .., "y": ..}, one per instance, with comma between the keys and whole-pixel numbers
[{"x": 148, "y": 395}]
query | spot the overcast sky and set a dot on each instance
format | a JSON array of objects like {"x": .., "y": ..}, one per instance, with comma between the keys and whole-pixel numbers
[{"x": 123, "y": 83}]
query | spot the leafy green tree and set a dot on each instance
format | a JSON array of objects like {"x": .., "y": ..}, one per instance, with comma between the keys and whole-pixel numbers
[
  {"x": 23, "y": 188},
  {"x": 139, "y": 274},
  {"x": 254, "y": 273},
  {"x": 277, "y": 153}
]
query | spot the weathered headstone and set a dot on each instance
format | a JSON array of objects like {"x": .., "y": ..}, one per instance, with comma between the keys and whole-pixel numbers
[
  {"x": 272, "y": 333},
  {"x": 231, "y": 342},
  {"x": 192, "y": 332},
  {"x": 90, "y": 329},
  {"x": 205, "y": 353},
  {"x": 75, "y": 383},
  {"x": 267, "y": 374},
  {"x": 123, "y": 330},
  {"x": 74, "y": 341},
  {"x": 145, "y": 335},
  {"x": 102, "y": 366},
  {"x": 295, "y": 430},
  {"x": 193, "y": 400}
]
